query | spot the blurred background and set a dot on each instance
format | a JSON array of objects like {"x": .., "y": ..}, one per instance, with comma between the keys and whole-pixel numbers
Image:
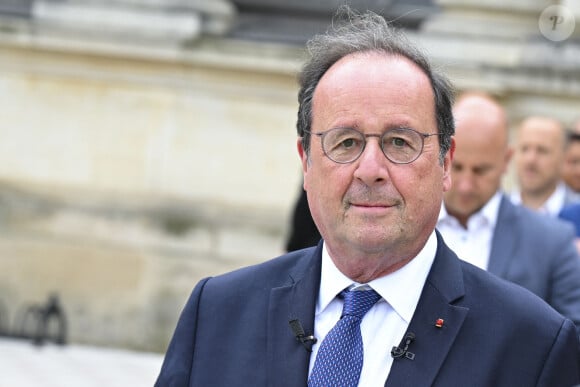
[{"x": 145, "y": 144}]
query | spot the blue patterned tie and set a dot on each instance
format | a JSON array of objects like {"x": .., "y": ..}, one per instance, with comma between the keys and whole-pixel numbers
[{"x": 340, "y": 357}]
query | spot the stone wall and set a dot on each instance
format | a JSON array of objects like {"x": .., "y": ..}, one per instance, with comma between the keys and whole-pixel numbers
[
  {"x": 127, "y": 177},
  {"x": 122, "y": 266}
]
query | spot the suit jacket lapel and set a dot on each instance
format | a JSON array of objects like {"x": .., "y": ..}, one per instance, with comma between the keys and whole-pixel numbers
[
  {"x": 504, "y": 240},
  {"x": 443, "y": 287},
  {"x": 288, "y": 359}
]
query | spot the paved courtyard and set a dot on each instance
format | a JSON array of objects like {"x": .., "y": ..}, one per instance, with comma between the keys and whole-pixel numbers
[{"x": 24, "y": 365}]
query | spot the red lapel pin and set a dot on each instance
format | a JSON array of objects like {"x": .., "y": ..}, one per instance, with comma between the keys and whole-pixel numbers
[{"x": 439, "y": 322}]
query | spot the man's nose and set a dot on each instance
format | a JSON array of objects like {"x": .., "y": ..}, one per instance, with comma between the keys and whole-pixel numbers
[
  {"x": 463, "y": 181},
  {"x": 372, "y": 165}
]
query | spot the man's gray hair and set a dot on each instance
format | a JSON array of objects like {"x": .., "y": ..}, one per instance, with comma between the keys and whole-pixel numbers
[{"x": 351, "y": 33}]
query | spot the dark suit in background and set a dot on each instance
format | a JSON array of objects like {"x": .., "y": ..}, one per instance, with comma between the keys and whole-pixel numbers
[
  {"x": 537, "y": 252},
  {"x": 571, "y": 213},
  {"x": 520, "y": 245},
  {"x": 303, "y": 231}
]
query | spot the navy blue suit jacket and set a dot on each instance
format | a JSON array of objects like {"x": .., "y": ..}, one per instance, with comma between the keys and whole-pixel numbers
[
  {"x": 234, "y": 330},
  {"x": 537, "y": 252},
  {"x": 571, "y": 213}
]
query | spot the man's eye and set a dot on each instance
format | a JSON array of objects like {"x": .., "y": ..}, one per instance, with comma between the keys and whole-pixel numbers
[
  {"x": 348, "y": 143},
  {"x": 399, "y": 142}
]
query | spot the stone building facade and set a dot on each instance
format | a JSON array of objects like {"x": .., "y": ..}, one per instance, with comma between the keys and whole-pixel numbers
[{"x": 146, "y": 144}]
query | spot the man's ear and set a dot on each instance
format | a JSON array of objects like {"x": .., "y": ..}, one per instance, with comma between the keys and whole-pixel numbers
[
  {"x": 447, "y": 166},
  {"x": 507, "y": 158},
  {"x": 303, "y": 155}
]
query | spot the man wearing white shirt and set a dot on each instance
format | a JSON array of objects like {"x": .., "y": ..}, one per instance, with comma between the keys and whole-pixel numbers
[
  {"x": 389, "y": 318},
  {"x": 560, "y": 198},
  {"x": 471, "y": 241},
  {"x": 481, "y": 224},
  {"x": 539, "y": 160}
]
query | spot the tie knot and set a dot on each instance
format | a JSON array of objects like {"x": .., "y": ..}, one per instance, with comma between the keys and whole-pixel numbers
[{"x": 358, "y": 302}]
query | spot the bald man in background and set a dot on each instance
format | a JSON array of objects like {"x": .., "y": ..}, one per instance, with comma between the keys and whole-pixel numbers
[
  {"x": 539, "y": 161},
  {"x": 486, "y": 229}
]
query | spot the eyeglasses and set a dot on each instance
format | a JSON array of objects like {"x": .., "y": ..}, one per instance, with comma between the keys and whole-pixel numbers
[{"x": 399, "y": 145}]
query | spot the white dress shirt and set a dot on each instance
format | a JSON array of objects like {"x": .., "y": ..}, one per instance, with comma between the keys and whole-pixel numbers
[
  {"x": 552, "y": 205},
  {"x": 471, "y": 244},
  {"x": 385, "y": 324}
]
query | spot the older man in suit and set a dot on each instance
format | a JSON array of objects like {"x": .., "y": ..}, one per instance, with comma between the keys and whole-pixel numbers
[
  {"x": 486, "y": 229},
  {"x": 381, "y": 301}
]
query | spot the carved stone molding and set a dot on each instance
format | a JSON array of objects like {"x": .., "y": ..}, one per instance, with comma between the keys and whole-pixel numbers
[{"x": 145, "y": 21}]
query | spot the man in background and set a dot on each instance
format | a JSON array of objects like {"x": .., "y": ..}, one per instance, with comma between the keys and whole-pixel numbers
[
  {"x": 571, "y": 176},
  {"x": 571, "y": 168},
  {"x": 481, "y": 224},
  {"x": 539, "y": 159},
  {"x": 303, "y": 232}
]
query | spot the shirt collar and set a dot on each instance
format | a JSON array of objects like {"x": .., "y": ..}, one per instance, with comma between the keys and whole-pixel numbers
[
  {"x": 403, "y": 299},
  {"x": 556, "y": 201},
  {"x": 487, "y": 213},
  {"x": 552, "y": 205}
]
